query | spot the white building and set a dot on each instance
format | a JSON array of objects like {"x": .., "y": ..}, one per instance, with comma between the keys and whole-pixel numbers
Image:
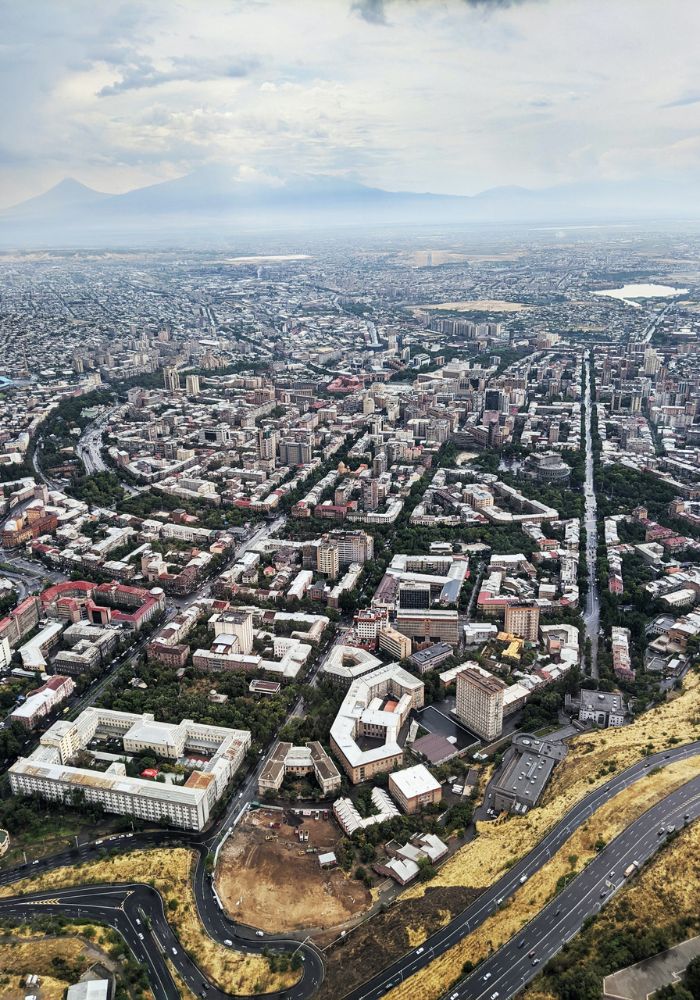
[
  {"x": 376, "y": 706},
  {"x": 414, "y": 787},
  {"x": 48, "y": 771}
]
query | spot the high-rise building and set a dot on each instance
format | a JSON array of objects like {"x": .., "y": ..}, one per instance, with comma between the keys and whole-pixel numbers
[
  {"x": 523, "y": 621},
  {"x": 353, "y": 546},
  {"x": 652, "y": 362},
  {"x": 192, "y": 385},
  {"x": 379, "y": 465},
  {"x": 480, "y": 702},
  {"x": 414, "y": 594},
  {"x": 295, "y": 452},
  {"x": 328, "y": 559},
  {"x": 171, "y": 379},
  {"x": 238, "y": 624},
  {"x": 267, "y": 444},
  {"x": 370, "y": 494}
]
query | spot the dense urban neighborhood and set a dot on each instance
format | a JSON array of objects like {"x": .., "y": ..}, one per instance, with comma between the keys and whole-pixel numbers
[{"x": 349, "y": 641}]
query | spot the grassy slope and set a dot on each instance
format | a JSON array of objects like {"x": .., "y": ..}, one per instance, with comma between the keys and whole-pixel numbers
[{"x": 170, "y": 871}]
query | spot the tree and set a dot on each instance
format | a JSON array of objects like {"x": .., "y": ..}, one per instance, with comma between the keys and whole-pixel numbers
[
  {"x": 579, "y": 984},
  {"x": 426, "y": 871},
  {"x": 673, "y": 992},
  {"x": 691, "y": 978}
]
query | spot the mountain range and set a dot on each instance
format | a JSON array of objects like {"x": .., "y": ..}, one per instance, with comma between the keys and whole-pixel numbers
[{"x": 213, "y": 200}]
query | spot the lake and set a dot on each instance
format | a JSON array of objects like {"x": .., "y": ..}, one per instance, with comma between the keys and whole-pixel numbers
[{"x": 630, "y": 292}]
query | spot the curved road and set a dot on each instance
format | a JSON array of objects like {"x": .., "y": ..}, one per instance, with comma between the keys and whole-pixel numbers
[{"x": 120, "y": 905}]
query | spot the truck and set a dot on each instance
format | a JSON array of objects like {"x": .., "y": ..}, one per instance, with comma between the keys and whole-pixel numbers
[{"x": 631, "y": 869}]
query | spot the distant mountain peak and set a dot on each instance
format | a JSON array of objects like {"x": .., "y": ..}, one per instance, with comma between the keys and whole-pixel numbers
[
  {"x": 69, "y": 194},
  {"x": 219, "y": 197},
  {"x": 70, "y": 184}
]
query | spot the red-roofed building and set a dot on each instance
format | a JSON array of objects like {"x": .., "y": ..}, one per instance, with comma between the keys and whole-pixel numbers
[{"x": 20, "y": 621}]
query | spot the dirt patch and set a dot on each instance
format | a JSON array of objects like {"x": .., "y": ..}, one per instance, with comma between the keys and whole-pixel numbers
[
  {"x": 266, "y": 878},
  {"x": 476, "y": 305},
  {"x": 387, "y": 936}
]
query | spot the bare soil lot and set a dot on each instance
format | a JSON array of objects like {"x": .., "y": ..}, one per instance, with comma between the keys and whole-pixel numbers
[
  {"x": 477, "y": 305},
  {"x": 266, "y": 879}
]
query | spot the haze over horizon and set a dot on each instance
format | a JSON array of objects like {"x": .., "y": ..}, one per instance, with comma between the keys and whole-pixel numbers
[{"x": 453, "y": 98}]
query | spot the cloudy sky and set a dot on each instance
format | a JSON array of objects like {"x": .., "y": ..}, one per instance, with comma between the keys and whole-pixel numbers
[{"x": 448, "y": 96}]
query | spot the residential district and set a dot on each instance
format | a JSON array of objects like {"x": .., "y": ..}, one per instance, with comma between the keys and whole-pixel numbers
[{"x": 332, "y": 567}]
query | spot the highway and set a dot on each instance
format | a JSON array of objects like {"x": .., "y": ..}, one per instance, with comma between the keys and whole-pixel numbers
[
  {"x": 119, "y": 905},
  {"x": 118, "y": 910},
  {"x": 136, "y": 912},
  {"x": 509, "y": 969},
  {"x": 498, "y": 893}
]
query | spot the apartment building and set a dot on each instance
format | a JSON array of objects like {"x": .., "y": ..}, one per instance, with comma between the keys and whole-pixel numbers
[
  {"x": 328, "y": 559},
  {"x": 353, "y": 546},
  {"x": 480, "y": 702},
  {"x": 20, "y": 621},
  {"x": 43, "y": 700}
]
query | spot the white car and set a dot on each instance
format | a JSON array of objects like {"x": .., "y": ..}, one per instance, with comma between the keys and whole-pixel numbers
[
  {"x": 228, "y": 942},
  {"x": 259, "y": 933},
  {"x": 487, "y": 977}
]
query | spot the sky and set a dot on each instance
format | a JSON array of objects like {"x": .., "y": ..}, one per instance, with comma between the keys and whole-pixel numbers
[{"x": 448, "y": 96}]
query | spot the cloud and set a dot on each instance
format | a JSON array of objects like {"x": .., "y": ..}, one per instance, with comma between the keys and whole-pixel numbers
[
  {"x": 498, "y": 4},
  {"x": 449, "y": 96},
  {"x": 141, "y": 74},
  {"x": 683, "y": 102},
  {"x": 372, "y": 11}
]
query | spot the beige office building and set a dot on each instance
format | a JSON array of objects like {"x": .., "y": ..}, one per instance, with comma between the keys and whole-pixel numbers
[
  {"x": 523, "y": 621},
  {"x": 328, "y": 559},
  {"x": 394, "y": 643},
  {"x": 480, "y": 702}
]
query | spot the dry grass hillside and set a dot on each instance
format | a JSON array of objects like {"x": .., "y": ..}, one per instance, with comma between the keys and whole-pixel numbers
[
  {"x": 59, "y": 961},
  {"x": 578, "y": 850},
  {"x": 665, "y": 898},
  {"x": 169, "y": 871},
  {"x": 592, "y": 759}
]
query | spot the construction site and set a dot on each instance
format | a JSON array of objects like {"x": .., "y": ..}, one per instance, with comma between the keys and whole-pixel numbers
[{"x": 277, "y": 872}]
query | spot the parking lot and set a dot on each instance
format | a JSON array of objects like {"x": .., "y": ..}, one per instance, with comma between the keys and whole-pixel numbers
[{"x": 434, "y": 719}]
